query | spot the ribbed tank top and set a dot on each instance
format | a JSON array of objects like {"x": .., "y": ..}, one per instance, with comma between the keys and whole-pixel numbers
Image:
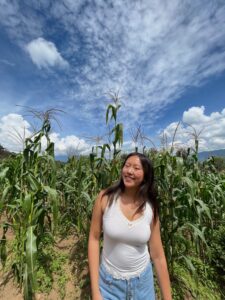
[{"x": 125, "y": 249}]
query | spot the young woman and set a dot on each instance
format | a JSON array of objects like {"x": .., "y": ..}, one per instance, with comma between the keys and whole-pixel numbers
[{"x": 127, "y": 212}]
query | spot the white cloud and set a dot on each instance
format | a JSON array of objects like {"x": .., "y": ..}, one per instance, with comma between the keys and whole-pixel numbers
[
  {"x": 44, "y": 54},
  {"x": 153, "y": 50},
  {"x": 20, "y": 23},
  {"x": 195, "y": 115},
  {"x": 14, "y": 129},
  {"x": 210, "y": 129},
  {"x": 69, "y": 145}
]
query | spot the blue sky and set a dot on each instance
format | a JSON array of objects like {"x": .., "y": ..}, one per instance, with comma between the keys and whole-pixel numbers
[{"x": 167, "y": 58}]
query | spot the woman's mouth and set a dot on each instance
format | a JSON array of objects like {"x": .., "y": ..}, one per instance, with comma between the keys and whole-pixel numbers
[{"x": 128, "y": 178}]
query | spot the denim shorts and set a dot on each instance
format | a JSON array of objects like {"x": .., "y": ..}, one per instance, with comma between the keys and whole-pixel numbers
[{"x": 135, "y": 288}]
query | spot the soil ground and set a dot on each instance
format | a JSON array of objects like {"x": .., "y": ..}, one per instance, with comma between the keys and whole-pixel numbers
[
  {"x": 74, "y": 268},
  {"x": 9, "y": 289}
]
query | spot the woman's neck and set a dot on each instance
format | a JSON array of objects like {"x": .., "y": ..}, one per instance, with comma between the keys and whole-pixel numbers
[{"x": 130, "y": 194}]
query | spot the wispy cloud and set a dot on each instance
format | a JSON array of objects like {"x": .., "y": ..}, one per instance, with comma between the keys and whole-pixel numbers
[
  {"x": 6, "y": 62},
  {"x": 20, "y": 20},
  {"x": 152, "y": 50}
]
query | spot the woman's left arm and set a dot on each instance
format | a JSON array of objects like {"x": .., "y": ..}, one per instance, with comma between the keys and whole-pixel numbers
[{"x": 159, "y": 261}]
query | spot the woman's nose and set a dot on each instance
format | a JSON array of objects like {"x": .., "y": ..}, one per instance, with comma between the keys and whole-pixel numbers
[{"x": 130, "y": 170}]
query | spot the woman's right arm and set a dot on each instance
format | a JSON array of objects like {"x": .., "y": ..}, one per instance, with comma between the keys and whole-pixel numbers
[{"x": 93, "y": 246}]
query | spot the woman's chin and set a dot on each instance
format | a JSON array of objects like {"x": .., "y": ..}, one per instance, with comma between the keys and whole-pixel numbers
[{"x": 130, "y": 185}]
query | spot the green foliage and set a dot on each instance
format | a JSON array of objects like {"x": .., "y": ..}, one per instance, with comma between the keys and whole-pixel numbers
[
  {"x": 199, "y": 287},
  {"x": 219, "y": 163},
  {"x": 28, "y": 198},
  {"x": 216, "y": 254},
  {"x": 51, "y": 268},
  {"x": 3, "y": 250},
  {"x": 191, "y": 197},
  {"x": 40, "y": 199},
  {"x": 117, "y": 129}
]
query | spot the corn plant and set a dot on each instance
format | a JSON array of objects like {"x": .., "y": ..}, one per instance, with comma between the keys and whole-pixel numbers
[
  {"x": 187, "y": 193},
  {"x": 117, "y": 130},
  {"x": 30, "y": 203},
  {"x": 38, "y": 195}
]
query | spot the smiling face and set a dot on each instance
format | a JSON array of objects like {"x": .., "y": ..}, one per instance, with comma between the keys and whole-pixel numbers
[{"x": 132, "y": 172}]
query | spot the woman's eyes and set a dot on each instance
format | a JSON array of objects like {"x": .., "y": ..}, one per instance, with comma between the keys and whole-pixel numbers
[{"x": 135, "y": 168}]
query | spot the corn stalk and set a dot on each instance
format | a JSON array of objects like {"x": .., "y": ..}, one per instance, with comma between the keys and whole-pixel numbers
[{"x": 29, "y": 199}]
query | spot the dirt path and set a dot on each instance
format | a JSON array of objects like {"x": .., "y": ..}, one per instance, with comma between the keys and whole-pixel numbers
[{"x": 10, "y": 291}]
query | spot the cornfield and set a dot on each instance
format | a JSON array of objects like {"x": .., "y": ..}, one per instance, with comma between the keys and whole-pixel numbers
[{"x": 41, "y": 197}]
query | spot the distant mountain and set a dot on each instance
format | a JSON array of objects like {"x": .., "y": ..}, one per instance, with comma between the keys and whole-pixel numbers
[
  {"x": 4, "y": 152},
  {"x": 206, "y": 154},
  {"x": 201, "y": 155},
  {"x": 63, "y": 158}
]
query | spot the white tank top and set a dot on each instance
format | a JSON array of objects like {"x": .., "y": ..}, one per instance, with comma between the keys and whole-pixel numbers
[{"x": 125, "y": 249}]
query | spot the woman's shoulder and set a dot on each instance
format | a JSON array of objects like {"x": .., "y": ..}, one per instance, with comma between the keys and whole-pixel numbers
[
  {"x": 149, "y": 211},
  {"x": 107, "y": 200},
  {"x": 103, "y": 200}
]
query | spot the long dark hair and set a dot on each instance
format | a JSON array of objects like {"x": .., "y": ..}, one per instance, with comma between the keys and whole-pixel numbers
[{"x": 147, "y": 191}]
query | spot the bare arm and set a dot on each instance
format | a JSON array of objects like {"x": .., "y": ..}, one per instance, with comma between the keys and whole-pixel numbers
[
  {"x": 93, "y": 246},
  {"x": 159, "y": 261}
]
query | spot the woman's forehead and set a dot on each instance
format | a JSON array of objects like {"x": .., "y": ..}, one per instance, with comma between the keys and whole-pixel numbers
[{"x": 134, "y": 159}]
